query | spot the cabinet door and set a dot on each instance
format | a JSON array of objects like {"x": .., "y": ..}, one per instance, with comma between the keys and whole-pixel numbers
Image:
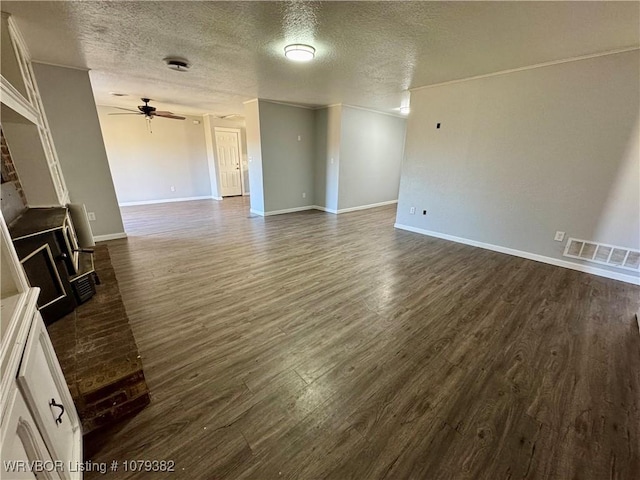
[
  {"x": 43, "y": 385},
  {"x": 22, "y": 446}
]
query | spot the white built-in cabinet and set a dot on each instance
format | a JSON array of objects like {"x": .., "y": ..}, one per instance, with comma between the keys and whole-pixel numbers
[
  {"x": 25, "y": 124},
  {"x": 22, "y": 444},
  {"x": 39, "y": 427}
]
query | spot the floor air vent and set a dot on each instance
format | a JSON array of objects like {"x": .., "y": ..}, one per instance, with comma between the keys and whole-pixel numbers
[{"x": 604, "y": 254}]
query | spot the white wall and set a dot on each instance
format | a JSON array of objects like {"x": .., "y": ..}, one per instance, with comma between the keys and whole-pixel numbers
[
  {"x": 146, "y": 165},
  {"x": 521, "y": 155},
  {"x": 254, "y": 153},
  {"x": 327, "y": 161},
  {"x": 210, "y": 124},
  {"x": 68, "y": 102},
  {"x": 10, "y": 66},
  {"x": 371, "y": 148},
  {"x": 27, "y": 150},
  {"x": 212, "y": 162}
]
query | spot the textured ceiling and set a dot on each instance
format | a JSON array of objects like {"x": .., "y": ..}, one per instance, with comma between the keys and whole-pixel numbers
[{"x": 368, "y": 53}]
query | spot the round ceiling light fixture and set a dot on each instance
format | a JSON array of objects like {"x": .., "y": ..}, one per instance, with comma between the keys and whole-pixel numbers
[
  {"x": 299, "y": 52},
  {"x": 177, "y": 64}
]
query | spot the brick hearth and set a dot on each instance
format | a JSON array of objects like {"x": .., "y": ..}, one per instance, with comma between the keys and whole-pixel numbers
[{"x": 99, "y": 355}]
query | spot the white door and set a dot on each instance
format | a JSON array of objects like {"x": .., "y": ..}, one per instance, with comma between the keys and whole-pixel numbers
[
  {"x": 22, "y": 444},
  {"x": 228, "y": 146},
  {"x": 45, "y": 390}
]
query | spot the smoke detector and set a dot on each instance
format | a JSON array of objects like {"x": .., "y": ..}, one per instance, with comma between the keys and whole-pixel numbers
[{"x": 177, "y": 64}]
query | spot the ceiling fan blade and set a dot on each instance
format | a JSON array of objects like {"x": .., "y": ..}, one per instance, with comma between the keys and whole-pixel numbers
[
  {"x": 163, "y": 112},
  {"x": 169, "y": 115},
  {"x": 127, "y": 109},
  {"x": 139, "y": 113}
]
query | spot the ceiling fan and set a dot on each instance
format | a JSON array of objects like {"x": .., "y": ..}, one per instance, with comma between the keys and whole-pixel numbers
[{"x": 148, "y": 111}]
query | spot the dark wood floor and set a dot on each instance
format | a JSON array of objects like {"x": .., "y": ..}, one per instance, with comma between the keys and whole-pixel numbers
[{"x": 315, "y": 346}]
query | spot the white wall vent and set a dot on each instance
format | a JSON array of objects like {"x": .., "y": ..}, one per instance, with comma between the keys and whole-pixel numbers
[{"x": 604, "y": 254}]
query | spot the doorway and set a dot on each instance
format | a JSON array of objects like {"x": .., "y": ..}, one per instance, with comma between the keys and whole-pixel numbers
[{"x": 230, "y": 168}]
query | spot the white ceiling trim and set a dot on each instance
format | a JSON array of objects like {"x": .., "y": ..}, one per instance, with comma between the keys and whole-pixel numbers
[
  {"x": 529, "y": 67},
  {"x": 320, "y": 107},
  {"x": 289, "y": 104},
  {"x": 82, "y": 69},
  {"x": 398, "y": 115}
]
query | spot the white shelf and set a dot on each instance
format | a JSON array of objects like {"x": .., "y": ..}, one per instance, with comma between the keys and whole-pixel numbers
[{"x": 21, "y": 109}]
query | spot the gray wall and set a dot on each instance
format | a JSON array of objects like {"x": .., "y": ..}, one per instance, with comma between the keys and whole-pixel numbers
[
  {"x": 71, "y": 112},
  {"x": 371, "y": 148},
  {"x": 521, "y": 155},
  {"x": 145, "y": 165},
  {"x": 287, "y": 136},
  {"x": 327, "y": 161},
  {"x": 254, "y": 153},
  {"x": 345, "y": 157}
]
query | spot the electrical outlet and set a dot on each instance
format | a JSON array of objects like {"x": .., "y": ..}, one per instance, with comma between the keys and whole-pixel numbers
[
  {"x": 91, "y": 216},
  {"x": 299, "y": 138},
  {"x": 304, "y": 194},
  {"x": 412, "y": 210},
  {"x": 559, "y": 236},
  {"x": 173, "y": 189}
]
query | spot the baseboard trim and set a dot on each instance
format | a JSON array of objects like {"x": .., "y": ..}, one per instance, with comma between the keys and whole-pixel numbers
[
  {"x": 366, "y": 207},
  {"x": 168, "y": 200},
  {"x": 325, "y": 209},
  {"x": 354, "y": 209},
  {"x": 522, "y": 254},
  {"x": 109, "y": 236},
  {"x": 289, "y": 210}
]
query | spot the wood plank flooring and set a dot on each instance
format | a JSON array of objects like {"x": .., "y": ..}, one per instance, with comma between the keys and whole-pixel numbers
[{"x": 313, "y": 346}]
